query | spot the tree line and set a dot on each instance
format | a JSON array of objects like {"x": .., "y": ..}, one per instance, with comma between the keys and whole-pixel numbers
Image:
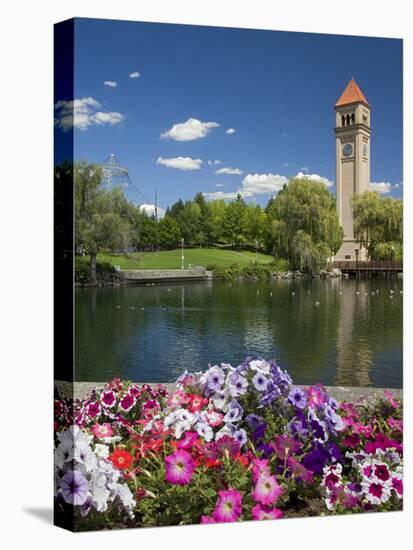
[{"x": 299, "y": 224}]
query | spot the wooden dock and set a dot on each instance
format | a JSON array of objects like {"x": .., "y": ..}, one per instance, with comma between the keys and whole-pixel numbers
[{"x": 368, "y": 267}]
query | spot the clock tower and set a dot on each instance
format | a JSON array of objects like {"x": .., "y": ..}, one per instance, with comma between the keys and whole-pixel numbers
[{"x": 352, "y": 162}]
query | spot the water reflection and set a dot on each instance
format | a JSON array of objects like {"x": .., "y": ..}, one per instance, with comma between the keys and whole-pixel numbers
[{"x": 344, "y": 332}]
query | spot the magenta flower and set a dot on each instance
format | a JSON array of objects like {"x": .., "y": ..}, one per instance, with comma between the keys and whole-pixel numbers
[
  {"x": 108, "y": 398},
  {"x": 285, "y": 446},
  {"x": 127, "y": 402},
  {"x": 259, "y": 468},
  {"x": 228, "y": 507},
  {"x": 207, "y": 519},
  {"x": 397, "y": 484},
  {"x": 264, "y": 512},
  {"x": 187, "y": 441},
  {"x": 266, "y": 490},
  {"x": 381, "y": 471},
  {"x": 179, "y": 468},
  {"x": 102, "y": 430},
  {"x": 300, "y": 470},
  {"x": 93, "y": 409}
]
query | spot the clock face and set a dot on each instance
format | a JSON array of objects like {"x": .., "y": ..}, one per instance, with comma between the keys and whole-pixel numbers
[
  {"x": 347, "y": 149},
  {"x": 365, "y": 149}
]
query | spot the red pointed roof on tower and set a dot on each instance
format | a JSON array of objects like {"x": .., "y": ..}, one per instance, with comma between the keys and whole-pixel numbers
[{"x": 352, "y": 94}]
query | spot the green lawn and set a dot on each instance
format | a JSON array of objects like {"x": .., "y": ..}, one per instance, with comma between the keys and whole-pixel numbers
[{"x": 170, "y": 259}]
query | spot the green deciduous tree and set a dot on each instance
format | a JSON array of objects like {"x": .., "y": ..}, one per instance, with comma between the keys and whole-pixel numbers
[
  {"x": 169, "y": 232},
  {"x": 101, "y": 223},
  {"x": 378, "y": 225},
  {"x": 233, "y": 222},
  {"x": 304, "y": 225}
]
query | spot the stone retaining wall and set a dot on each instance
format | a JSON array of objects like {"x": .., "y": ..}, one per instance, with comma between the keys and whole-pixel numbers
[
  {"x": 164, "y": 275},
  {"x": 341, "y": 393}
]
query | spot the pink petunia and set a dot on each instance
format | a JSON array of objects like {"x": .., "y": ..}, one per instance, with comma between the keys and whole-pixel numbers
[
  {"x": 179, "y": 468},
  {"x": 299, "y": 470},
  {"x": 177, "y": 399},
  {"x": 214, "y": 418},
  {"x": 228, "y": 507},
  {"x": 102, "y": 430},
  {"x": 316, "y": 396},
  {"x": 397, "y": 484},
  {"x": 264, "y": 512},
  {"x": 207, "y": 519},
  {"x": 266, "y": 490},
  {"x": 260, "y": 467},
  {"x": 188, "y": 441},
  {"x": 390, "y": 398}
]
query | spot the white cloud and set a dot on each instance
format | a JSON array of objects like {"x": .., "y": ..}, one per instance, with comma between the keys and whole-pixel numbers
[
  {"x": 107, "y": 118},
  {"x": 220, "y": 185},
  {"x": 235, "y": 171},
  {"x": 315, "y": 177},
  {"x": 304, "y": 169},
  {"x": 82, "y": 113},
  {"x": 261, "y": 184},
  {"x": 211, "y": 162},
  {"x": 253, "y": 184},
  {"x": 382, "y": 187},
  {"x": 230, "y": 131},
  {"x": 216, "y": 195},
  {"x": 258, "y": 184},
  {"x": 190, "y": 130},
  {"x": 181, "y": 163},
  {"x": 135, "y": 74},
  {"x": 150, "y": 210},
  {"x": 110, "y": 83}
]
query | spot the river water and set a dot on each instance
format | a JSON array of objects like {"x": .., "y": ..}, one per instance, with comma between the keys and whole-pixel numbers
[{"x": 335, "y": 331}]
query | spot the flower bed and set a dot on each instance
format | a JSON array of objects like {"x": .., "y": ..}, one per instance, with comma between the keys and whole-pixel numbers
[{"x": 229, "y": 444}]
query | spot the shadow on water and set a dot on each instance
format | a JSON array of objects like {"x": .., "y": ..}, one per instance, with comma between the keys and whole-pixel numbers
[{"x": 338, "y": 331}]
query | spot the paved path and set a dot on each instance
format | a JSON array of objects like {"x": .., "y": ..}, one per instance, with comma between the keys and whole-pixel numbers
[{"x": 341, "y": 393}]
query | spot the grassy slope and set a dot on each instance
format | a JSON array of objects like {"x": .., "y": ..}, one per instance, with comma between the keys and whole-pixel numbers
[{"x": 170, "y": 259}]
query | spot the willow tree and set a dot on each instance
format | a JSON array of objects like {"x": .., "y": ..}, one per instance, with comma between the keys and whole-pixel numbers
[
  {"x": 378, "y": 225},
  {"x": 101, "y": 223},
  {"x": 304, "y": 224}
]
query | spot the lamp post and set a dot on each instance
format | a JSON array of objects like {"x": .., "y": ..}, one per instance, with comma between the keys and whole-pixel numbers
[
  {"x": 256, "y": 252},
  {"x": 182, "y": 253}
]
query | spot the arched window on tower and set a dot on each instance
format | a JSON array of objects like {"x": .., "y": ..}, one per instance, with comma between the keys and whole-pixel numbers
[
  {"x": 348, "y": 120},
  {"x": 343, "y": 120},
  {"x": 353, "y": 118}
]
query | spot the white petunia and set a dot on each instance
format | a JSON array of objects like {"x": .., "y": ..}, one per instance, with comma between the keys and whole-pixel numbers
[
  {"x": 101, "y": 451},
  {"x": 205, "y": 431}
]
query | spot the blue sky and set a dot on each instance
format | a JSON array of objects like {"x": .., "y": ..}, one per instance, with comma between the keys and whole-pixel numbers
[{"x": 275, "y": 89}]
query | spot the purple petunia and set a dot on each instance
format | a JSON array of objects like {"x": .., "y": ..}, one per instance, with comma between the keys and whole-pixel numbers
[
  {"x": 215, "y": 378},
  {"x": 241, "y": 436},
  {"x": 74, "y": 487},
  {"x": 253, "y": 421},
  {"x": 260, "y": 382},
  {"x": 297, "y": 398},
  {"x": 234, "y": 413},
  {"x": 316, "y": 459}
]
